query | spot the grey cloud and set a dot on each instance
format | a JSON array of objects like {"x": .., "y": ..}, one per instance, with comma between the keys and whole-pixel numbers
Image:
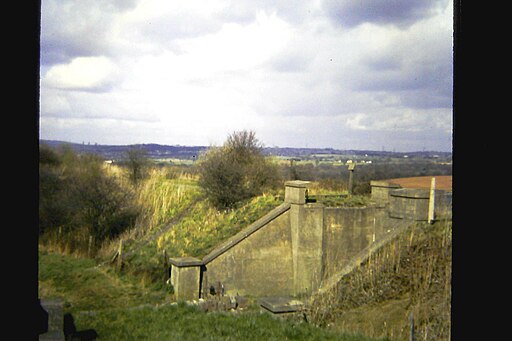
[
  {"x": 122, "y": 5},
  {"x": 169, "y": 27},
  {"x": 422, "y": 89},
  {"x": 244, "y": 12},
  {"x": 419, "y": 72},
  {"x": 78, "y": 28},
  {"x": 401, "y": 13},
  {"x": 290, "y": 62}
]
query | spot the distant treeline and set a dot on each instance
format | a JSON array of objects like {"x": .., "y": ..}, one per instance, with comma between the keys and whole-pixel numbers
[
  {"x": 336, "y": 177},
  {"x": 157, "y": 151}
]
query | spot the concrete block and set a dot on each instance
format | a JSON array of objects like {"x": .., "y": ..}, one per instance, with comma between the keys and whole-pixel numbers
[
  {"x": 295, "y": 192},
  {"x": 185, "y": 277},
  {"x": 281, "y": 304},
  {"x": 55, "y": 310}
]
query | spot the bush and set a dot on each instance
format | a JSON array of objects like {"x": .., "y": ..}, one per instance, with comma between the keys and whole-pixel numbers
[
  {"x": 236, "y": 171},
  {"x": 77, "y": 197}
]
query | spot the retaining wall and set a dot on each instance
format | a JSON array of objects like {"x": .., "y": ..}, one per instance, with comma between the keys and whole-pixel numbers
[{"x": 296, "y": 246}]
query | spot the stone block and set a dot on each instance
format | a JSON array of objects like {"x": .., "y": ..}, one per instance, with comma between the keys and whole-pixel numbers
[
  {"x": 295, "y": 192},
  {"x": 278, "y": 305},
  {"x": 55, "y": 310},
  {"x": 185, "y": 277}
]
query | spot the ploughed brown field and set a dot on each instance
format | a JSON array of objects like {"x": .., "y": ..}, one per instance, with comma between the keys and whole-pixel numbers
[{"x": 442, "y": 182}]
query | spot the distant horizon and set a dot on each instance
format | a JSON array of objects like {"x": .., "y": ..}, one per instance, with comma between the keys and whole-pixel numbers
[{"x": 89, "y": 143}]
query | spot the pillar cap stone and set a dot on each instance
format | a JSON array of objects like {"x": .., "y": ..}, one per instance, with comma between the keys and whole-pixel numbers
[
  {"x": 297, "y": 183},
  {"x": 185, "y": 261}
]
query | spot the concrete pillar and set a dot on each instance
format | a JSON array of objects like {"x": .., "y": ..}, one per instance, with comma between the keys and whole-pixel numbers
[
  {"x": 55, "y": 310},
  {"x": 185, "y": 278},
  {"x": 306, "y": 226},
  {"x": 295, "y": 192}
]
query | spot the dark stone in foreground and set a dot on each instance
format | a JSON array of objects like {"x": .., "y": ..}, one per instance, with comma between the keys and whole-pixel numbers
[{"x": 279, "y": 304}]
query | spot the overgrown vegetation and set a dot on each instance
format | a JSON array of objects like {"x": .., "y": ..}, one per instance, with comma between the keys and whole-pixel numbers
[
  {"x": 80, "y": 205},
  {"x": 236, "y": 171},
  {"x": 409, "y": 276}
]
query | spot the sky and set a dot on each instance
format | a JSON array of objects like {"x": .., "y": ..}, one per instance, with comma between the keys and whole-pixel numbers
[{"x": 347, "y": 74}]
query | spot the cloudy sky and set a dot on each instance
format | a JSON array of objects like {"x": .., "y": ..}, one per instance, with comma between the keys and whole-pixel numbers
[{"x": 346, "y": 74}]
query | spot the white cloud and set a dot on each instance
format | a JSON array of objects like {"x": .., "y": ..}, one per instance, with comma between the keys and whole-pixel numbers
[
  {"x": 192, "y": 72},
  {"x": 83, "y": 73}
]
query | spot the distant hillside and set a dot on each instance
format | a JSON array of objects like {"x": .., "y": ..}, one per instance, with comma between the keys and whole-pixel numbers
[
  {"x": 158, "y": 151},
  {"x": 116, "y": 152}
]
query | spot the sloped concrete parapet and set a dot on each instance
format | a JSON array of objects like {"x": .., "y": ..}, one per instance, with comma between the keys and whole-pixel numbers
[{"x": 237, "y": 238}]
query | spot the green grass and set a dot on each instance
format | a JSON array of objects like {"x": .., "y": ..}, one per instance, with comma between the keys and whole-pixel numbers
[
  {"x": 88, "y": 287},
  {"x": 205, "y": 227},
  {"x": 182, "y": 322},
  {"x": 118, "y": 308}
]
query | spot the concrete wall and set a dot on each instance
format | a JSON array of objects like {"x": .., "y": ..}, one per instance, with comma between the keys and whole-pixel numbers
[
  {"x": 259, "y": 265},
  {"x": 408, "y": 203},
  {"x": 307, "y": 246},
  {"x": 347, "y": 231},
  {"x": 296, "y": 246},
  {"x": 413, "y": 204},
  {"x": 380, "y": 191}
]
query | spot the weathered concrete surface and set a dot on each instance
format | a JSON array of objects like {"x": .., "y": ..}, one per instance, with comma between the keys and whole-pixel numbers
[
  {"x": 306, "y": 224},
  {"x": 348, "y": 230},
  {"x": 381, "y": 189},
  {"x": 295, "y": 192},
  {"x": 294, "y": 249},
  {"x": 406, "y": 203},
  {"x": 413, "y": 204},
  {"x": 55, "y": 310},
  {"x": 259, "y": 265},
  {"x": 408, "y": 198},
  {"x": 280, "y": 304},
  {"x": 185, "y": 277}
]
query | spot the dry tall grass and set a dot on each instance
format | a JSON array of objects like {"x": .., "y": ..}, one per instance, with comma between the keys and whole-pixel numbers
[
  {"x": 160, "y": 197},
  {"x": 410, "y": 275}
]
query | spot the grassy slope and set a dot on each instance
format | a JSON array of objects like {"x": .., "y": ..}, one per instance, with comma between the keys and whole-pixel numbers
[
  {"x": 176, "y": 218},
  {"x": 410, "y": 275},
  {"x": 118, "y": 308}
]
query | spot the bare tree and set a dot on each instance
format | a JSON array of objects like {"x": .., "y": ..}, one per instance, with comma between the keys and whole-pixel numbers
[
  {"x": 236, "y": 171},
  {"x": 137, "y": 163}
]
